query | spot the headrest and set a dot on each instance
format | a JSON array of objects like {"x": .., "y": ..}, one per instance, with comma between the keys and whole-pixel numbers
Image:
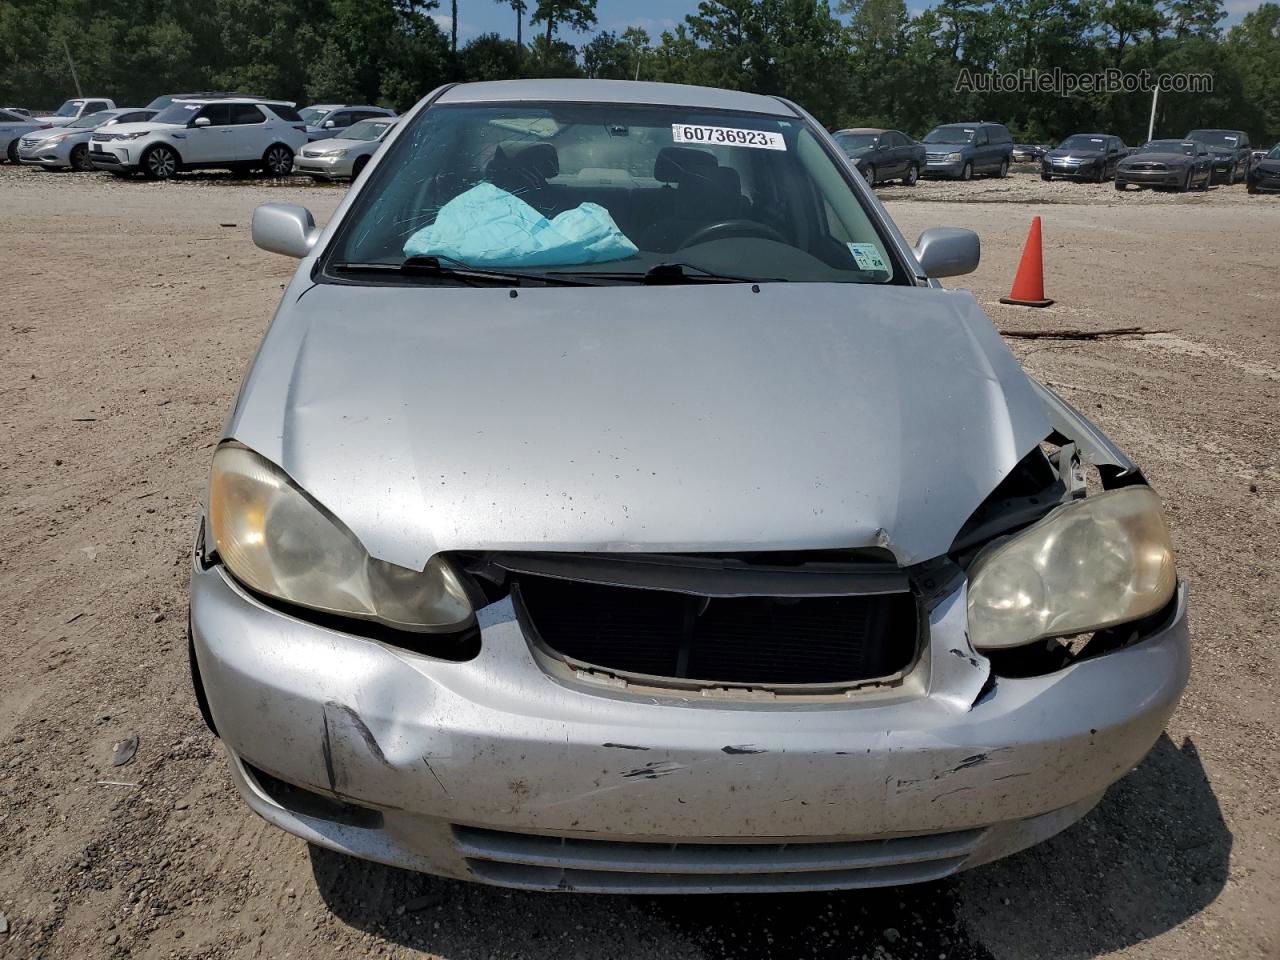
[
  {"x": 538, "y": 159},
  {"x": 680, "y": 163}
]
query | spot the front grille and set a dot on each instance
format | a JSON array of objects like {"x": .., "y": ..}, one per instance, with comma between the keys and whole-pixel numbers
[
  {"x": 734, "y": 640},
  {"x": 602, "y": 866},
  {"x": 1146, "y": 166}
]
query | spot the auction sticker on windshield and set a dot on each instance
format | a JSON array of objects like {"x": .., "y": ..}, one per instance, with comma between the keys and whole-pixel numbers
[{"x": 727, "y": 136}]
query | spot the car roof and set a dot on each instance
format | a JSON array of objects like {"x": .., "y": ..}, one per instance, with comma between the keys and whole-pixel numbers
[
  {"x": 261, "y": 101},
  {"x": 615, "y": 91},
  {"x": 864, "y": 130}
]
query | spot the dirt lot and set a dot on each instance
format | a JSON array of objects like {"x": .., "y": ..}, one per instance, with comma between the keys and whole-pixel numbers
[{"x": 130, "y": 311}]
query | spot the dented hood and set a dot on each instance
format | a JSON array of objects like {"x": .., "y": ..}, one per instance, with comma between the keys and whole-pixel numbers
[{"x": 692, "y": 418}]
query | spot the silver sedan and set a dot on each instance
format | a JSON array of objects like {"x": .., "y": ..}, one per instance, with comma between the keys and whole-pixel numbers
[
  {"x": 13, "y": 127},
  {"x": 618, "y": 503},
  {"x": 340, "y": 158},
  {"x": 68, "y": 147}
]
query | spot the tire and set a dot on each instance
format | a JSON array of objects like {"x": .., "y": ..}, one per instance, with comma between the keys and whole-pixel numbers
[
  {"x": 1120, "y": 185},
  {"x": 1045, "y": 177},
  {"x": 278, "y": 160},
  {"x": 1252, "y": 188},
  {"x": 357, "y": 168},
  {"x": 12, "y": 152},
  {"x": 913, "y": 175},
  {"x": 967, "y": 172},
  {"x": 159, "y": 163},
  {"x": 80, "y": 162},
  {"x": 1004, "y": 168},
  {"x": 870, "y": 175}
]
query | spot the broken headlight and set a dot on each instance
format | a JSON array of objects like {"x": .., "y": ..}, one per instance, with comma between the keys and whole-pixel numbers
[
  {"x": 1091, "y": 564},
  {"x": 280, "y": 542}
]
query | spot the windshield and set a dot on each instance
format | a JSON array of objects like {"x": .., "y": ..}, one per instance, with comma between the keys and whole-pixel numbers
[
  {"x": 1217, "y": 139},
  {"x": 1169, "y": 146},
  {"x": 92, "y": 120},
  {"x": 614, "y": 189},
  {"x": 1083, "y": 142},
  {"x": 313, "y": 115},
  {"x": 180, "y": 111},
  {"x": 953, "y": 134},
  {"x": 367, "y": 130},
  {"x": 1275, "y": 153},
  {"x": 159, "y": 103},
  {"x": 69, "y": 108},
  {"x": 856, "y": 141}
]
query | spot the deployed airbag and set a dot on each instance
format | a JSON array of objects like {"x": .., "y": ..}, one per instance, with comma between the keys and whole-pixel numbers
[{"x": 487, "y": 226}]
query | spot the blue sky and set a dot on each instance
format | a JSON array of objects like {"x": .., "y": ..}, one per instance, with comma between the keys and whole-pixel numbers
[{"x": 485, "y": 16}]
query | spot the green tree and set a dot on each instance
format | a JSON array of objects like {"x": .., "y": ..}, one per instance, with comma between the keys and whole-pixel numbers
[
  {"x": 578, "y": 15},
  {"x": 519, "y": 6}
]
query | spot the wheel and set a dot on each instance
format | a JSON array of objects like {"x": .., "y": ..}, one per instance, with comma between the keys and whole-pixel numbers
[
  {"x": 870, "y": 175},
  {"x": 913, "y": 175},
  {"x": 12, "y": 152},
  {"x": 80, "y": 159},
  {"x": 1004, "y": 167},
  {"x": 159, "y": 163},
  {"x": 278, "y": 160},
  {"x": 358, "y": 167},
  {"x": 1252, "y": 187},
  {"x": 1045, "y": 177},
  {"x": 1120, "y": 185},
  {"x": 1186, "y": 184},
  {"x": 967, "y": 172}
]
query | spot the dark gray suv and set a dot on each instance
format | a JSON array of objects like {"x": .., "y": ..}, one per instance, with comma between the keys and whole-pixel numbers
[
  {"x": 959, "y": 150},
  {"x": 1232, "y": 155}
]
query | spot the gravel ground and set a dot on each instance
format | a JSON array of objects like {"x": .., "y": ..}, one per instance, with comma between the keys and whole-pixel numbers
[{"x": 131, "y": 310}]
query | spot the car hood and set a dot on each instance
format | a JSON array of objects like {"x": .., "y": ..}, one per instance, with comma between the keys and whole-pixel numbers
[
  {"x": 56, "y": 121},
  {"x": 339, "y": 143},
  {"x": 940, "y": 145},
  {"x": 654, "y": 419},
  {"x": 1271, "y": 166},
  {"x": 143, "y": 126},
  {"x": 1178, "y": 159},
  {"x": 1075, "y": 154}
]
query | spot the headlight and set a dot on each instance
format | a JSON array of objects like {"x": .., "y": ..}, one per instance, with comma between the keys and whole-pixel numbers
[
  {"x": 952, "y": 158},
  {"x": 56, "y": 138},
  {"x": 1091, "y": 564},
  {"x": 334, "y": 153},
  {"x": 280, "y": 542},
  {"x": 129, "y": 136}
]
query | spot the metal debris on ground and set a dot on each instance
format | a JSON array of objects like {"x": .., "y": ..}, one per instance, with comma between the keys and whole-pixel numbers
[{"x": 123, "y": 751}]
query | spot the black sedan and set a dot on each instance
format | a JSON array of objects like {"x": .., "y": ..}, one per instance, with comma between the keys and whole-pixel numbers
[
  {"x": 1028, "y": 152},
  {"x": 1172, "y": 164},
  {"x": 1084, "y": 156},
  {"x": 1232, "y": 155},
  {"x": 882, "y": 155},
  {"x": 1264, "y": 176}
]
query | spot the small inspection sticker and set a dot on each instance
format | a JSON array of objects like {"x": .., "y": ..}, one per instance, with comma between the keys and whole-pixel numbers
[
  {"x": 727, "y": 136},
  {"x": 867, "y": 257}
]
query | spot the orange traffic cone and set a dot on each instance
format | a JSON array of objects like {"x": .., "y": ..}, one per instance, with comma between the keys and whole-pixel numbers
[{"x": 1028, "y": 285}]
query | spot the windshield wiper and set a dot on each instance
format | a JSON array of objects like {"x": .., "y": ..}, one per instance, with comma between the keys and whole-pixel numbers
[
  {"x": 664, "y": 274},
  {"x": 449, "y": 268}
]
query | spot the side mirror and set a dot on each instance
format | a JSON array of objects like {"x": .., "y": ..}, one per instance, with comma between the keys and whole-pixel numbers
[
  {"x": 285, "y": 228},
  {"x": 948, "y": 252},
  {"x": 328, "y": 124},
  {"x": 201, "y": 122}
]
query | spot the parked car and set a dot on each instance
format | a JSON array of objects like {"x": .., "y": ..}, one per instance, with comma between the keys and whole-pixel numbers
[
  {"x": 326, "y": 120},
  {"x": 159, "y": 103},
  {"x": 1264, "y": 176},
  {"x": 959, "y": 150},
  {"x": 1231, "y": 152},
  {"x": 68, "y": 147},
  {"x": 20, "y": 111},
  {"x": 346, "y": 156},
  {"x": 200, "y": 134},
  {"x": 1175, "y": 164},
  {"x": 1084, "y": 156},
  {"x": 13, "y": 127},
  {"x": 75, "y": 109},
  {"x": 574, "y": 529},
  {"x": 882, "y": 155},
  {"x": 1028, "y": 152}
]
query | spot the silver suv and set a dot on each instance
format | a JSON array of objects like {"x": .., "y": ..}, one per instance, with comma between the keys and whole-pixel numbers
[{"x": 244, "y": 133}]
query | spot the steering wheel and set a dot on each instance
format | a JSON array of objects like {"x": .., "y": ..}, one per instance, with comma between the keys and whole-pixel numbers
[{"x": 742, "y": 228}]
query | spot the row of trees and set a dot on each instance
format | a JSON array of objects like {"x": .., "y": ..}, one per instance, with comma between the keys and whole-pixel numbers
[{"x": 851, "y": 62}]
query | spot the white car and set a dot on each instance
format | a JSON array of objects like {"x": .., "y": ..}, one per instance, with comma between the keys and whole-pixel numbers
[
  {"x": 75, "y": 109},
  {"x": 345, "y": 156},
  {"x": 242, "y": 133}
]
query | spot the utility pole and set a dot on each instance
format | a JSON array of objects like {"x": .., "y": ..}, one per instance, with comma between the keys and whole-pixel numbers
[
  {"x": 1151, "y": 127},
  {"x": 71, "y": 63},
  {"x": 453, "y": 30}
]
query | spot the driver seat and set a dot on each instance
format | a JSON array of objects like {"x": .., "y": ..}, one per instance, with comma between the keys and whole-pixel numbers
[{"x": 696, "y": 193}]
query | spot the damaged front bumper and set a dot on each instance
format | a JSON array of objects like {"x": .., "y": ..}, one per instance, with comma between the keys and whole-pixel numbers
[{"x": 496, "y": 770}]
